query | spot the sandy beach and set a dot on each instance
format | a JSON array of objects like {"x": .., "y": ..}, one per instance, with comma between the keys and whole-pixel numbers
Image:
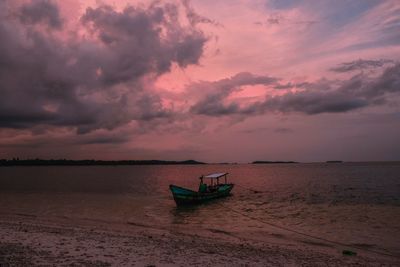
[{"x": 26, "y": 240}]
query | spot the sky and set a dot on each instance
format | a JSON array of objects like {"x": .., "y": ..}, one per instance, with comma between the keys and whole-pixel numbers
[{"x": 214, "y": 81}]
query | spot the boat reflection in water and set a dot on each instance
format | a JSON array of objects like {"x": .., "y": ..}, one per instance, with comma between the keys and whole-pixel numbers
[{"x": 214, "y": 189}]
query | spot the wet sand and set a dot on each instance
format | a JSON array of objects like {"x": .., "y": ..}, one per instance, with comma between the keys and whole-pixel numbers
[{"x": 27, "y": 240}]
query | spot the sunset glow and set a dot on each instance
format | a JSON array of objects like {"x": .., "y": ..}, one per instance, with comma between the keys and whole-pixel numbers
[{"x": 215, "y": 81}]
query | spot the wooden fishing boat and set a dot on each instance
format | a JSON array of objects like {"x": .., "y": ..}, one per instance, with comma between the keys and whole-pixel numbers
[{"x": 206, "y": 192}]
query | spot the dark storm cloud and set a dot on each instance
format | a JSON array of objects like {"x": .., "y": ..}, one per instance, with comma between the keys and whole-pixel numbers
[
  {"x": 103, "y": 140},
  {"x": 41, "y": 12},
  {"x": 313, "y": 102},
  {"x": 291, "y": 85},
  {"x": 212, "y": 104},
  {"x": 137, "y": 44},
  {"x": 356, "y": 92},
  {"x": 48, "y": 140},
  {"x": 360, "y": 64},
  {"x": 19, "y": 118},
  {"x": 388, "y": 82},
  {"x": 90, "y": 82},
  {"x": 323, "y": 96}
]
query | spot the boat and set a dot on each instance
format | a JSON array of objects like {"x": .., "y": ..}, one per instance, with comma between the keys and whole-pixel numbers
[{"x": 214, "y": 189}]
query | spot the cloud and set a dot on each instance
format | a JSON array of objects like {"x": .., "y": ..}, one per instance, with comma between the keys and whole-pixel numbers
[
  {"x": 278, "y": 18},
  {"x": 275, "y": 19},
  {"x": 283, "y": 130},
  {"x": 290, "y": 85},
  {"x": 100, "y": 79},
  {"x": 104, "y": 140},
  {"x": 41, "y": 11},
  {"x": 212, "y": 103},
  {"x": 388, "y": 82},
  {"x": 313, "y": 102},
  {"x": 323, "y": 96},
  {"x": 195, "y": 18},
  {"x": 361, "y": 64}
]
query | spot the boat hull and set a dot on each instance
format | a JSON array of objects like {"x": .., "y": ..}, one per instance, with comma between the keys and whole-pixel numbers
[{"x": 183, "y": 196}]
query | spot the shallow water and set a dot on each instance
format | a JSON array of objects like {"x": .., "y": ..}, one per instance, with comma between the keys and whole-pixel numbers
[{"x": 352, "y": 203}]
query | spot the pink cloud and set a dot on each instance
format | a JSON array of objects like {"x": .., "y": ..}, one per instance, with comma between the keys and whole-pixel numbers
[{"x": 178, "y": 79}]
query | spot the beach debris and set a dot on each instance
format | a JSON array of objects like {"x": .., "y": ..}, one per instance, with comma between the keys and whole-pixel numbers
[{"x": 349, "y": 252}]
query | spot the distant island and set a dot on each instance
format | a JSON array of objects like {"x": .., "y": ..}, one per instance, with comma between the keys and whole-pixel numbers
[
  {"x": 334, "y": 161},
  {"x": 272, "y": 162},
  {"x": 90, "y": 162}
]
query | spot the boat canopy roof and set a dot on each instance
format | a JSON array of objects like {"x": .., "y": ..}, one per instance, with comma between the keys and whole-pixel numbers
[{"x": 215, "y": 175}]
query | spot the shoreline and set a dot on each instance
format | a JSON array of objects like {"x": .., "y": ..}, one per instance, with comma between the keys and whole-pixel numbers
[{"x": 29, "y": 240}]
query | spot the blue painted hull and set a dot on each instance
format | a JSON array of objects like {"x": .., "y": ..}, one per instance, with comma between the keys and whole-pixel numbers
[{"x": 183, "y": 196}]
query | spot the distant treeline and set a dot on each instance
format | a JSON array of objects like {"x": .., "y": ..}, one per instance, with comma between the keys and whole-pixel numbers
[
  {"x": 272, "y": 162},
  {"x": 90, "y": 162}
]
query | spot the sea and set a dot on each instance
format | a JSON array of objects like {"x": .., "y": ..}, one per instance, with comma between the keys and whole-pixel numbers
[{"x": 355, "y": 204}]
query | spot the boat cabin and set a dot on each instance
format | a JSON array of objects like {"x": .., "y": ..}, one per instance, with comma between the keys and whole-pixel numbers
[{"x": 213, "y": 182}]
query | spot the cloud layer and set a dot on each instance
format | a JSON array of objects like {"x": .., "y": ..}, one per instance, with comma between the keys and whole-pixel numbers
[
  {"x": 361, "y": 64},
  {"x": 100, "y": 78},
  {"x": 194, "y": 78},
  {"x": 323, "y": 96}
]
